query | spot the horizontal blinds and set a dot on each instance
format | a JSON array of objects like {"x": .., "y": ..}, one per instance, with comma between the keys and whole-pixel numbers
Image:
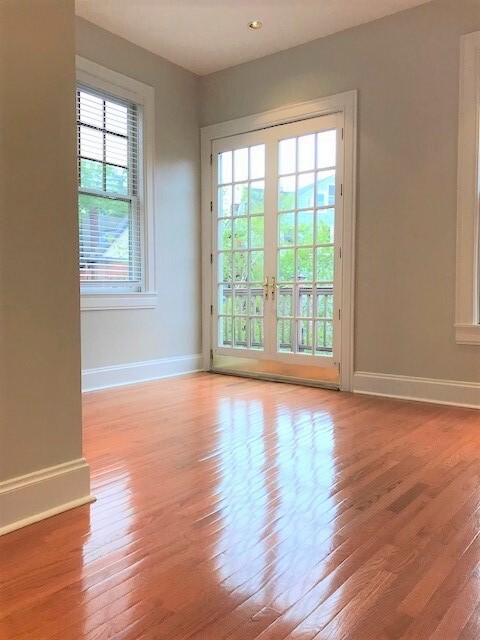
[{"x": 108, "y": 137}]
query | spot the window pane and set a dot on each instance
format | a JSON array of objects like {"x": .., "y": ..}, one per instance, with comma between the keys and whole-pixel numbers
[
  {"x": 91, "y": 109},
  {"x": 116, "y": 150},
  {"x": 105, "y": 239},
  {"x": 116, "y": 179},
  {"x": 91, "y": 174},
  {"x": 91, "y": 143},
  {"x": 116, "y": 117}
]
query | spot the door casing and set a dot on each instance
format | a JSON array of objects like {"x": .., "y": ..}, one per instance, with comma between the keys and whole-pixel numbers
[{"x": 344, "y": 104}]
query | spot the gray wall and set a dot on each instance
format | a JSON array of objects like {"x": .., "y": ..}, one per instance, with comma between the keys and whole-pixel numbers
[
  {"x": 40, "y": 411},
  {"x": 173, "y": 328},
  {"x": 406, "y": 68}
]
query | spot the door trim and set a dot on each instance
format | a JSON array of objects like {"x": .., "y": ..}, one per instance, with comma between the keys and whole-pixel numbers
[{"x": 345, "y": 103}]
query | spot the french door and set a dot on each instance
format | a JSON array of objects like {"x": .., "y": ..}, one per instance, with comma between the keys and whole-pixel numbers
[{"x": 276, "y": 259}]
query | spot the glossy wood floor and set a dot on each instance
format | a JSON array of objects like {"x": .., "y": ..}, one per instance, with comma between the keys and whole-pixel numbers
[{"x": 235, "y": 509}]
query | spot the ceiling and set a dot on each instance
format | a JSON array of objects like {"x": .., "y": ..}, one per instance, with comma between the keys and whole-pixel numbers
[{"x": 209, "y": 35}]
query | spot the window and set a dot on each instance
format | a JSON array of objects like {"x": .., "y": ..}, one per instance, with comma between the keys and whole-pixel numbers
[{"x": 115, "y": 183}]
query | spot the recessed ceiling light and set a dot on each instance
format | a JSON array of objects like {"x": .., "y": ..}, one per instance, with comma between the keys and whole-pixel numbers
[{"x": 255, "y": 25}]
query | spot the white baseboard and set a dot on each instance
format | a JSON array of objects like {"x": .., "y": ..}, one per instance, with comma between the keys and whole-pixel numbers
[
  {"x": 449, "y": 392},
  {"x": 41, "y": 494},
  {"x": 119, "y": 375}
]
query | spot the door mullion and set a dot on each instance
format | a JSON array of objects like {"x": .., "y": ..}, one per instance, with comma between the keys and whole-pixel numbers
[{"x": 271, "y": 179}]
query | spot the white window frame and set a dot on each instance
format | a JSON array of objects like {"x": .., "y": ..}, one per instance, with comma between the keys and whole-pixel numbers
[
  {"x": 103, "y": 79},
  {"x": 467, "y": 312}
]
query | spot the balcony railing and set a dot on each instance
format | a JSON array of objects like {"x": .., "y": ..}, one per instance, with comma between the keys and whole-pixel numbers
[{"x": 312, "y": 304}]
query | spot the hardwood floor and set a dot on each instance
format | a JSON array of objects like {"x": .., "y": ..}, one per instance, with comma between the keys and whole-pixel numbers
[{"x": 234, "y": 509}]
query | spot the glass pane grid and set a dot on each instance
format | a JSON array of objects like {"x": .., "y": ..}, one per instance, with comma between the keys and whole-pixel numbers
[
  {"x": 305, "y": 258},
  {"x": 241, "y": 191}
]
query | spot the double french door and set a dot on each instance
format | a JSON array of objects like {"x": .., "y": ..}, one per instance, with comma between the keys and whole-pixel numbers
[{"x": 276, "y": 260}]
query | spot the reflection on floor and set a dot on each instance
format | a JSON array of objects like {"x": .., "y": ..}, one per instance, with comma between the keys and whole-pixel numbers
[{"x": 238, "y": 509}]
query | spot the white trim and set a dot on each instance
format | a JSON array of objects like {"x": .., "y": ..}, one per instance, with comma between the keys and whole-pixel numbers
[
  {"x": 449, "y": 392},
  {"x": 345, "y": 103},
  {"x": 467, "y": 333},
  {"x": 467, "y": 327},
  {"x": 120, "y": 375},
  {"x": 135, "y": 300},
  {"x": 105, "y": 79},
  {"x": 41, "y": 494}
]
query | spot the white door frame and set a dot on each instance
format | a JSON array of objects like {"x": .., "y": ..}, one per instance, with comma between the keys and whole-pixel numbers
[{"x": 345, "y": 103}]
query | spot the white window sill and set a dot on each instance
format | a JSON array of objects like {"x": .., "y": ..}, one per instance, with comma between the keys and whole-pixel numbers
[
  {"x": 103, "y": 301},
  {"x": 467, "y": 333}
]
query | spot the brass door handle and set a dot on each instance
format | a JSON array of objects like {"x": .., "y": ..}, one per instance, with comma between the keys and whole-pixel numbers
[
  {"x": 265, "y": 289},
  {"x": 274, "y": 287}
]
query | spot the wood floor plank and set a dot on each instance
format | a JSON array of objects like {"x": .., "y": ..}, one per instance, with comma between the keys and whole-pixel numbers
[{"x": 235, "y": 509}]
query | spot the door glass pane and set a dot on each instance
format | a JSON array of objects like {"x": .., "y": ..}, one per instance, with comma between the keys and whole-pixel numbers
[
  {"x": 306, "y": 153},
  {"x": 305, "y": 256},
  {"x": 325, "y": 189},
  {"x": 257, "y": 197},
  {"x": 240, "y": 161},
  {"x": 225, "y": 234},
  {"x": 225, "y": 201},
  {"x": 287, "y": 156},
  {"x": 305, "y": 228},
  {"x": 257, "y": 162},
  {"x": 326, "y": 149},
  {"x": 240, "y": 200},
  {"x": 286, "y": 193},
  {"x": 256, "y": 232},
  {"x": 225, "y": 167},
  {"x": 286, "y": 265},
  {"x": 286, "y": 229},
  {"x": 240, "y": 233}
]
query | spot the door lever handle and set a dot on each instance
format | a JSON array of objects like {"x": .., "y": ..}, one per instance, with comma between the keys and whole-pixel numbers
[
  {"x": 265, "y": 289},
  {"x": 274, "y": 287}
]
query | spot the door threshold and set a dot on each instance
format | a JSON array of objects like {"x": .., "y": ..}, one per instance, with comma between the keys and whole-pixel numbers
[{"x": 331, "y": 386}]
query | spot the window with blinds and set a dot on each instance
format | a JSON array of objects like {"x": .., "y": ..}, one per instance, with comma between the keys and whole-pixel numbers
[{"x": 109, "y": 203}]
